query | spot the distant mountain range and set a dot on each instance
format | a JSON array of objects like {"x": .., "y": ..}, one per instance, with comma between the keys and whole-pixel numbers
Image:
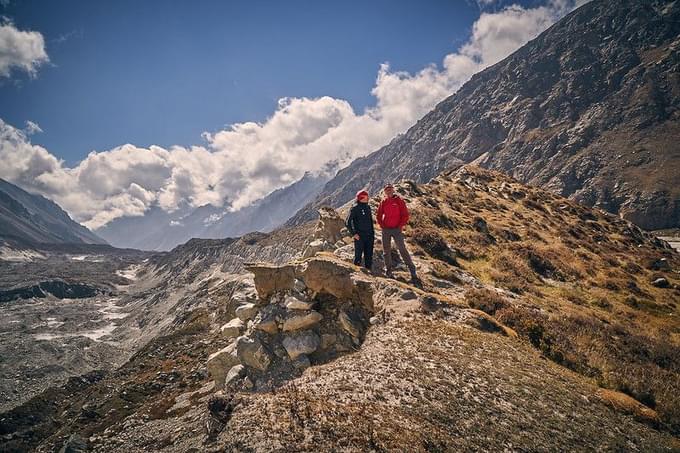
[
  {"x": 590, "y": 109},
  {"x": 161, "y": 230},
  {"x": 29, "y": 219}
]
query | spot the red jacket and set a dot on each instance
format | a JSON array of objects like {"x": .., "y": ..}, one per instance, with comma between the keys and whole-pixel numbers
[{"x": 392, "y": 213}]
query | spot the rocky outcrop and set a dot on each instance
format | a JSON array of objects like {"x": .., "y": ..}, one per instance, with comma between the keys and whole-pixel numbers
[
  {"x": 233, "y": 328},
  {"x": 328, "y": 233},
  {"x": 306, "y": 313},
  {"x": 590, "y": 109}
]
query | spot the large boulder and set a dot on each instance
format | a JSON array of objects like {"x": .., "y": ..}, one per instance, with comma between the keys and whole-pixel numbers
[
  {"x": 296, "y": 321},
  {"x": 246, "y": 312},
  {"x": 316, "y": 246},
  {"x": 266, "y": 324},
  {"x": 270, "y": 278},
  {"x": 252, "y": 353},
  {"x": 324, "y": 274},
  {"x": 301, "y": 343},
  {"x": 233, "y": 328},
  {"x": 235, "y": 373},
  {"x": 220, "y": 362},
  {"x": 293, "y": 303}
]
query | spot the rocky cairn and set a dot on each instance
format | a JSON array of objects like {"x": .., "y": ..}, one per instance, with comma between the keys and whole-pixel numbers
[{"x": 305, "y": 313}]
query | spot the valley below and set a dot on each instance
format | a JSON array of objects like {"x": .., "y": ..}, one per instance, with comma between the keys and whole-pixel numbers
[
  {"x": 45, "y": 341},
  {"x": 62, "y": 316}
]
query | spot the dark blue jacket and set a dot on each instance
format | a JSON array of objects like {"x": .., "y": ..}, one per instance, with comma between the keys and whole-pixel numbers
[{"x": 360, "y": 219}]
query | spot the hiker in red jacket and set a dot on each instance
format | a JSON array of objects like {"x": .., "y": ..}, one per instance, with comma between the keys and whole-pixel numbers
[{"x": 392, "y": 218}]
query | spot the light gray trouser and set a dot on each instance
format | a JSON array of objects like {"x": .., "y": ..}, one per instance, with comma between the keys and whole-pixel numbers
[{"x": 395, "y": 233}]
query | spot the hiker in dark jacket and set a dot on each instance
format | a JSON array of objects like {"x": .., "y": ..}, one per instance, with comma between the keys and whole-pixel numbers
[
  {"x": 392, "y": 217},
  {"x": 360, "y": 225}
]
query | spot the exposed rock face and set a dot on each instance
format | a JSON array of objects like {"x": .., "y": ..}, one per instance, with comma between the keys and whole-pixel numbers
[
  {"x": 252, "y": 353},
  {"x": 328, "y": 275},
  {"x": 293, "y": 303},
  {"x": 270, "y": 278},
  {"x": 236, "y": 372},
  {"x": 246, "y": 312},
  {"x": 330, "y": 225},
  {"x": 301, "y": 321},
  {"x": 590, "y": 110},
  {"x": 301, "y": 343}
]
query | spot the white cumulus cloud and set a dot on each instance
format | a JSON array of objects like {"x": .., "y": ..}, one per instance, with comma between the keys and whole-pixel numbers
[
  {"x": 23, "y": 50},
  {"x": 246, "y": 161}
]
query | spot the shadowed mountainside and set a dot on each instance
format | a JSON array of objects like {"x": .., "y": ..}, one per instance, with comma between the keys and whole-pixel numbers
[{"x": 33, "y": 219}]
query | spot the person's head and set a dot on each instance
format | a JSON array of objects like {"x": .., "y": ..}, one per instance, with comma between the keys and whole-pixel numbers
[
  {"x": 362, "y": 196},
  {"x": 389, "y": 190}
]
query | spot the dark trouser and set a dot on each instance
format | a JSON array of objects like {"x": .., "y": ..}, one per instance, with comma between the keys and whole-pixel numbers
[
  {"x": 395, "y": 233},
  {"x": 364, "y": 246}
]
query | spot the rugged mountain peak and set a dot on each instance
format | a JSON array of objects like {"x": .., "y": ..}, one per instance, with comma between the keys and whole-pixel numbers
[{"x": 589, "y": 110}]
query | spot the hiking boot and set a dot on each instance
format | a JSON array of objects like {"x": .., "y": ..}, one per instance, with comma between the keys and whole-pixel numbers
[
  {"x": 389, "y": 274},
  {"x": 415, "y": 281}
]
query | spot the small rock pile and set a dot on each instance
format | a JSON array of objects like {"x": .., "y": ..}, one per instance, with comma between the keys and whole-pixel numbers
[{"x": 305, "y": 313}]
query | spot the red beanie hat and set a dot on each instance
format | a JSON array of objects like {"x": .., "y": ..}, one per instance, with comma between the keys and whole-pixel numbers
[{"x": 360, "y": 193}]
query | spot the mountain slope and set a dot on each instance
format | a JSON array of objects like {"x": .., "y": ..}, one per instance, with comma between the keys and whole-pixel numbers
[
  {"x": 563, "y": 337},
  {"x": 33, "y": 219},
  {"x": 589, "y": 109},
  {"x": 161, "y": 230}
]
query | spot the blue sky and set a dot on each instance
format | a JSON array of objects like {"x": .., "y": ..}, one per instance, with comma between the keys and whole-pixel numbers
[
  {"x": 141, "y": 104},
  {"x": 164, "y": 72}
]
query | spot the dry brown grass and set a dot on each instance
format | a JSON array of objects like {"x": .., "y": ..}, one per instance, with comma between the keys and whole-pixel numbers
[
  {"x": 587, "y": 276},
  {"x": 641, "y": 366},
  {"x": 485, "y": 299},
  {"x": 434, "y": 245},
  {"x": 511, "y": 272},
  {"x": 624, "y": 403}
]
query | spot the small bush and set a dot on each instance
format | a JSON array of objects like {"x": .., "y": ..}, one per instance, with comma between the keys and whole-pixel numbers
[
  {"x": 511, "y": 272},
  {"x": 434, "y": 245},
  {"x": 445, "y": 272},
  {"x": 443, "y": 221},
  {"x": 485, "y": 300},
  {"x": 632, "y": 268}
]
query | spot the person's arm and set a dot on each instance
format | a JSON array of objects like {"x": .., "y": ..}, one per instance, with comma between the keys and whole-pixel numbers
[
  {"x": 403, "y": 214},
  {"x": 349, "y": 223},
  {"x": 379, "y": 214}
]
